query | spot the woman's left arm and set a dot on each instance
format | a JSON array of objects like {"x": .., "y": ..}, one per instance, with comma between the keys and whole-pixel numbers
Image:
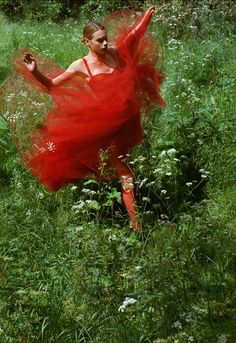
[{"x": 138, "y": 29}]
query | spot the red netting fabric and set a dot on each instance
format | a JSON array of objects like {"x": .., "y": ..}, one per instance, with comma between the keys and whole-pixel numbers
[{"x": 61, "y": 135}]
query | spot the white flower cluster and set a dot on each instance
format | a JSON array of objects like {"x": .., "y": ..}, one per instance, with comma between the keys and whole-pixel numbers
[
  {"x": 177, "y": 325},
  {"x": 88, "y": 191},
  {"x": 222, "y": 338},
  {"x": 126, "y": 302},
  {"x": 204, "y": 173}
]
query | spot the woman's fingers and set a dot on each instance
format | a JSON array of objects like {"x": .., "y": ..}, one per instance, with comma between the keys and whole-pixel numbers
[
  {"x": 152, "y": 9},
  {"x": 28, "y": 58}
]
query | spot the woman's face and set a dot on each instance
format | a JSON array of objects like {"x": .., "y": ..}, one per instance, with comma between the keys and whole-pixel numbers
[{"x": 98, "y": 43}]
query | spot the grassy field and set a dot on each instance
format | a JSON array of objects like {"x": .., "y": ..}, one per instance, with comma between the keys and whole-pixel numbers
[{"x": 70, "y": 270}]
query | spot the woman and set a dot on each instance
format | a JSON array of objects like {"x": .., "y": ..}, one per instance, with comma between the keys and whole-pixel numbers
[{"x": 98, "y": 103}]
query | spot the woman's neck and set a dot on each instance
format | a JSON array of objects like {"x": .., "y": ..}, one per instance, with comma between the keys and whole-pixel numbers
[{"x": 96, "y": 57}]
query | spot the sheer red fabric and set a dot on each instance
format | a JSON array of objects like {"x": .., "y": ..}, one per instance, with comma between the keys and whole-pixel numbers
[{"x": 90, "y": 117}]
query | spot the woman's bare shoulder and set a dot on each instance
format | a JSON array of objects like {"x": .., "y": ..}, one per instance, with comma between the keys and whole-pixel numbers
[{"x": 77, "y": 66}]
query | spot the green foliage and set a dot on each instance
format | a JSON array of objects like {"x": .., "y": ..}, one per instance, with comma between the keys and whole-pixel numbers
[
  {"x": 60, "y": 9},
  {"x": 70, "y": 270}
]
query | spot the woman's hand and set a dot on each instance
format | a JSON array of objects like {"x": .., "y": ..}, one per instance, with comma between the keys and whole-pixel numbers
[
  {"x": 30, "y": 62},
  {"x": 150, "y": 11}
]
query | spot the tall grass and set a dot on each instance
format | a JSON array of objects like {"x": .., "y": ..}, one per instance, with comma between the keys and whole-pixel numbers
[{"x": 70, "y": 270}]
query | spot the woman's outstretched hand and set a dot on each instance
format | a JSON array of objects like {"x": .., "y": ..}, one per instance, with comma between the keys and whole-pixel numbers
[
  {"x": 150, "y": 11},
  {"x": 30, "y": 62}
]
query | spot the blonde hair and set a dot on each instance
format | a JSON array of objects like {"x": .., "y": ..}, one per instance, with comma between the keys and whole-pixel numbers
[{"x": 90, "y": 28}]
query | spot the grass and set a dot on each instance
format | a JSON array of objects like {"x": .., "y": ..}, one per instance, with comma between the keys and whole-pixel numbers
[{"x": 70, "y": 270}]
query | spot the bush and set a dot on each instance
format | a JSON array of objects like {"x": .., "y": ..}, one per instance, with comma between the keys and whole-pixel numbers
[{"x": 61, "y": 9}]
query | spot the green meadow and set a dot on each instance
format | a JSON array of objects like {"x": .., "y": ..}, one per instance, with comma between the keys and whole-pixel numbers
[{"x": 70, "y": 269}]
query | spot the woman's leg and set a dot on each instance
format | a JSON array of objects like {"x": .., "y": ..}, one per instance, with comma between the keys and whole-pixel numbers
[{"x": 127, "y": 189}]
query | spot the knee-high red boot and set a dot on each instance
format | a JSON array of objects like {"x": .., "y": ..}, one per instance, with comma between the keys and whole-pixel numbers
[{"x": 127, "y": 191}]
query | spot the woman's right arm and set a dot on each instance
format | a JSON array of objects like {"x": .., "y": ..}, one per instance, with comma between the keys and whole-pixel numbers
[{"x": 31, "y": 65}]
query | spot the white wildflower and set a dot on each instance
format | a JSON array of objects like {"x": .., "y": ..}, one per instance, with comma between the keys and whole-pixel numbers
[
  {"x": 28, "y": 213},
  {"x": 168, "y": 173},
  {"x": 126, "y": 302},
  {"x": 40, "y": 195},
  {"x": 146, "y": 199},
  {"x": 137, "y": 268},
  {"x": 163, "y": 191},
  {"x": 23, "y": 93},
  {"x": 88, "y": 191},
  {"x": 189, "y": 184},
  {"x": 73, "y": 188},
  {"x": 143, "y": 182},
  {"x": 78, "y": 206},
  {"x": 141, "y": 158},
  {"x": 163, "y": 153},
  {"x": 149, "y": 184},
  {"x": 79, "y": 228},
  {"x": 177, "y": 325},
  {"x": 157, "y": 170},
  {"x": 112, "y": 238},
  {"x": 222, "y": 338}
]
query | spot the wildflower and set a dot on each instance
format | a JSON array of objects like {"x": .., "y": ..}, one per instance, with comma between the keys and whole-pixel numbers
[
  {"x": 112, "y": 238},
  {"x": 73, "y": 188},
  {"x": 168, "y": 173},
  {"x": 222, "y": 338},
  {"x": 149, "y": 212},
  {"x": 189, "y": 184},
  {"x": 88, "y": 191},
  {"x": 28, "y": 213},
  {"x": 177, "y": 325},
  {"x": 78, "y": 206},
  {"x": 163, "y": 191},
  {"x": 171, "y": 151},
  {"x": 23, "y": 93},
  {"x": 141, "y": 158},
  {"x": 137, "y": 268},
  {"x": 150, "y": 183},
  {"x": 40, "y": 195},
  {"x": 157, "y": 170},
  {"x": 163, "y": 153},
  {"x": 79, "y": 228},
  {"x": 143, "y": 182},
  {"x": 126, "y": 302}
]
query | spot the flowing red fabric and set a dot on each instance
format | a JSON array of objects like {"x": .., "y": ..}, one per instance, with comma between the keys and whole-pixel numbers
[{"x": 88, "y": 118}]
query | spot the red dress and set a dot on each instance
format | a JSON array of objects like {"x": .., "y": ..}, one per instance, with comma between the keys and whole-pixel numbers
[{"x": 90, "y": 117}]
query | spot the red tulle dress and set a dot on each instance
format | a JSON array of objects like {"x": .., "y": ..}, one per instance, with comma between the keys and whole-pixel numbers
[{"x": 91, "y": 117}]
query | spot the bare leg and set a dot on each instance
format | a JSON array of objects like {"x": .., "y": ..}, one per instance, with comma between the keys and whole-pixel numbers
[{"x": 127, "y": 189}]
